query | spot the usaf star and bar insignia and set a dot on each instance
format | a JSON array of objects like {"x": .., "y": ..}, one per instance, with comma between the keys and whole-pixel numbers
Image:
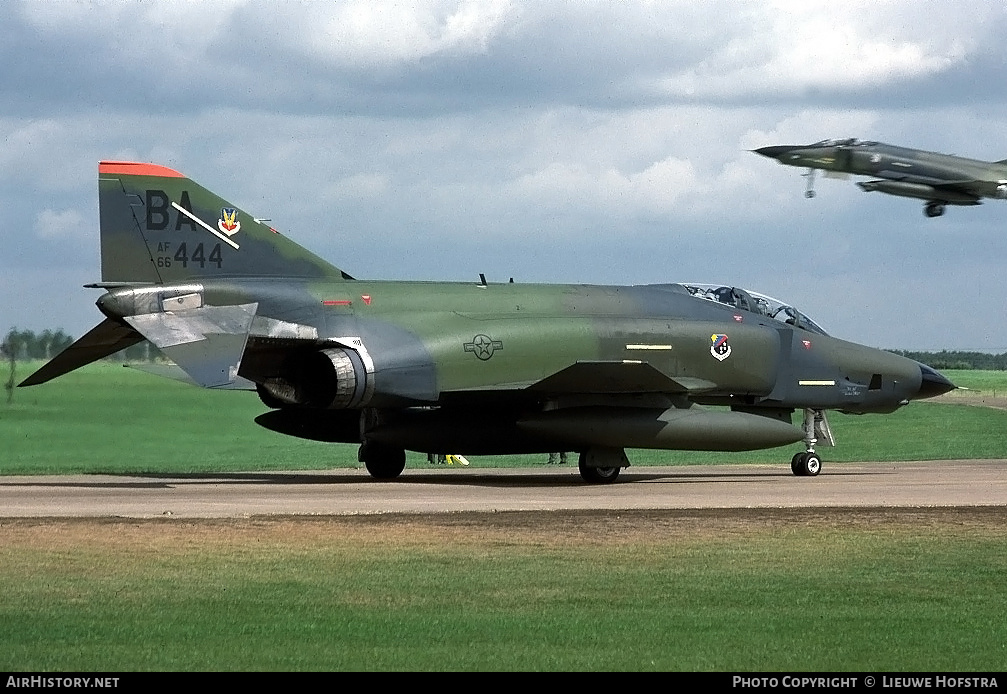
[{"x": 483, "y": 346}]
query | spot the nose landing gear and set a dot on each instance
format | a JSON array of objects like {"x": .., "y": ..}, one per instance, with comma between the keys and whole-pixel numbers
[
  {"x": 816, "y": 427},
  {"x": 809, "y": 192}
]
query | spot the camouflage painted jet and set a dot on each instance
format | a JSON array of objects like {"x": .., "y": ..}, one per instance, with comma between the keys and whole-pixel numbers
[
  {"x": 464, "y": 368},
  {"x": 940, "y": 179}
]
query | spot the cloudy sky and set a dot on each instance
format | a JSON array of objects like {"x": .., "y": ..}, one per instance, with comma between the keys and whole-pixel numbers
[{"x": 587, "y": 142}]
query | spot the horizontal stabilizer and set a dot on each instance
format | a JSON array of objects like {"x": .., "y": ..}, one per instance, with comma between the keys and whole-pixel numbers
[
  {"x": 206, "y": 342},
  {"x": 104, "y": 339},
  {"x": 618, "y": 377},
  {"x": 175, "y": 373}
]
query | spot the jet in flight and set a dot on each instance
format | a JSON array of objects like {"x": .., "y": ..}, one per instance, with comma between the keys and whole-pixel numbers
[
  {"x": 939, "y": 179},
  {"x": 466, "y": 368}
]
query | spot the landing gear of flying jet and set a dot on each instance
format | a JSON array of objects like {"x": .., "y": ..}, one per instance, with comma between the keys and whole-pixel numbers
[
  {"x": 602, "y": 465},
  {"x": 933, "y": 209},
  {"x": 383, "y": 462},
  {"x": 808, "y": 463},
  {"x": 810, "y": 191}
]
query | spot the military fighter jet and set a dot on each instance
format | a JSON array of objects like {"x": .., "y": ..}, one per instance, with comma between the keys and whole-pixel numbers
[
  {"x": 466, "y": 367},
  {"x": 940, "y": 179}
]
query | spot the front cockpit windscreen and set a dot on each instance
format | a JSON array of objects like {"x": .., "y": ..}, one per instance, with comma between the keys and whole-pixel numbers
[
  {"x": 848, "y": 142},
  {"x": 756, "y": 303}
]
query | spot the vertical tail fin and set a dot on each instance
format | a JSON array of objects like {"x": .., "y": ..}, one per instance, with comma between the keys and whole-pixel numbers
[{"x": 160, "y": 227}]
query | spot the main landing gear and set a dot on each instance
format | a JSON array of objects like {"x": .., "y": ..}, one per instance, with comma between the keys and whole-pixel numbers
[
  {"x": 933, "y": 209},
  {"x": 602, "y": 465},
  {"x": 808, "y": 463},
  {"x": 382, "y": 461}
]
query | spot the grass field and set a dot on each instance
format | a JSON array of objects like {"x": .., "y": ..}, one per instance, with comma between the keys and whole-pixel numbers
[
  {"x": 106, "y": 418},
  {"x": 742, "y": 590}
]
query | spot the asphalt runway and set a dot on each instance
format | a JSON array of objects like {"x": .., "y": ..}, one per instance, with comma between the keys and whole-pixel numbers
[{"x": 953, "y": 483}]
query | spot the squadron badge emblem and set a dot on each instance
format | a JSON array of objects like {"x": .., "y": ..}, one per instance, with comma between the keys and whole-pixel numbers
[
  {"x": 720, "y": 349},
  {"x": 228, "y": 222}
]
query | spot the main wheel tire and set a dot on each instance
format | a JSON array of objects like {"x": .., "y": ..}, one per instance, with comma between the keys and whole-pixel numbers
[
  {"x": 383, "y": 462},
  {"x": 599, "y": 475}
]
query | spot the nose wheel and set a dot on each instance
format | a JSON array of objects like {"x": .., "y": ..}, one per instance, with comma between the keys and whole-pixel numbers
[{"x": 806, "y": 464}]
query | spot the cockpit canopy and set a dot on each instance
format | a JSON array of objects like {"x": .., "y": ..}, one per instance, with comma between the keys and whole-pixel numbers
[
  {"x": 756, "y": 303},
  {"x": 848, "y": 142}
]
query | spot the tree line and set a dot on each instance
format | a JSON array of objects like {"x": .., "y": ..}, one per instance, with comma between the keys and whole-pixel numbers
[
  {"x": 25, "y": 345},
  {"x": 948, "y": 359}
]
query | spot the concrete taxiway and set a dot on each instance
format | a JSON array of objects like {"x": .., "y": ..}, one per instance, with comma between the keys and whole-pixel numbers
[{"x": 351, "y": 492}]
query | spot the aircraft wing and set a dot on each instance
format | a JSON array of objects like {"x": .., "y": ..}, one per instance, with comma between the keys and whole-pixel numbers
[
  {"x": 108, "y": 337},
  {"x": 618, "y": 377}
]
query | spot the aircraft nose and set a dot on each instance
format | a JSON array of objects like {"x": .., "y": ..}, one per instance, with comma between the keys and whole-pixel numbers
[
  {"x": 774, "y": 151},
  {"x": 933, "y": 383}
]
